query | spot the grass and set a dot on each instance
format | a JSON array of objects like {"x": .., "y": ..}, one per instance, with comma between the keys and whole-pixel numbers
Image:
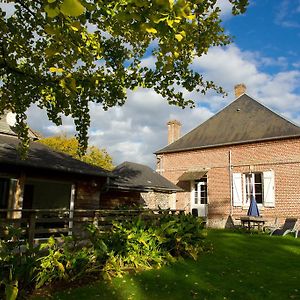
[{"x": 241, "y": 266}]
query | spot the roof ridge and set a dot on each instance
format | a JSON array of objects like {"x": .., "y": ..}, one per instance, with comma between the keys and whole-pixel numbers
[{"x": 274, "y": 112}]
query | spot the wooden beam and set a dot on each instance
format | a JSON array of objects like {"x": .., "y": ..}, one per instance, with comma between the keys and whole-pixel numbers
[{"x": 19, "y": 194}]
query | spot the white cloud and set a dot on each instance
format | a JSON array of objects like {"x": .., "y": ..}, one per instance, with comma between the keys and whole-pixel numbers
[
  {"x": 8, "y": 8},
  {"x": 286, "y": 12},
  {"x": 138, "y": 128},
  {"x": 226, "y": 9}
]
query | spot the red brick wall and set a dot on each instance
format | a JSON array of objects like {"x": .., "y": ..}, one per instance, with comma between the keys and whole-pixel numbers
[{"x": 281, "y": 156}]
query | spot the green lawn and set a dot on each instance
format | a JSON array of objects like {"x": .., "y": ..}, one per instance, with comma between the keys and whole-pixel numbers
[{"x": 241, "y": 266}]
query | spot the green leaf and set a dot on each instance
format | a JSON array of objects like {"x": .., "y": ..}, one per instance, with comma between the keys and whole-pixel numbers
[
  {"x": 178, "y": 37},
  {"x": 72, "y": 8},
  {"x": 170, "y": 23},
  {"x": 151, "y": 30},
  {"x": 75, "y": 26},
  {"x": 51, "y": 12},
  {"x": 11, "y": 292},
  {"x": 54, "y": 69}
]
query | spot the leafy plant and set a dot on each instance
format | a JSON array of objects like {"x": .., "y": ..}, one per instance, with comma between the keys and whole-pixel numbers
[
  {"x": 137, "y": 248},
  {"x": 64, "y": 262},
  {"x": 183, "y": 235},
  {"x": 17, "y": 263}
]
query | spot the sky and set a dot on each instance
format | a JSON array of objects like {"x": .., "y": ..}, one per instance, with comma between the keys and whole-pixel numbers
[{"x": 265, "y": 56}]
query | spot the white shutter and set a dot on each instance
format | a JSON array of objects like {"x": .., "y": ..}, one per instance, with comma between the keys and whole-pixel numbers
[
  {"x": 269, "y": 189},
  {"x": 237, "y": 195}
]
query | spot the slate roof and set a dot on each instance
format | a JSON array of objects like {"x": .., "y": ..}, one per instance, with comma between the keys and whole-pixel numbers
[
  {"x": 245, "y": 120},
  {"x": 42, "y": 157},
  {"x": 133, "y": 176}
]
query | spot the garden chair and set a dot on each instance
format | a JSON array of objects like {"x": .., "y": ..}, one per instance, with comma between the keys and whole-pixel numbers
[
  {"x": 288, "y": 226},
  {"x": 271, "y": 227}
]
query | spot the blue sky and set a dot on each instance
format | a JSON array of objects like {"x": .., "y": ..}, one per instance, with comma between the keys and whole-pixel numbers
[
  {"x": 265, "y": 56},
  {"x": 271, "y": 28}
]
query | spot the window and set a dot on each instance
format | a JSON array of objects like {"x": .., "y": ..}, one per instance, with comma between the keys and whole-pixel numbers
[
  {"x": 159, "y": 164},
  {"x": 200, "y": 188},
  {"x": 261, "y": 186},
  {"x": 253, "y": 187},
  {"x": 4, "y": 194}
]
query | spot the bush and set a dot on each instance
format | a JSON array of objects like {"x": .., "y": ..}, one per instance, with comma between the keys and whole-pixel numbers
[
  {"x": 183, "y": 235},
  {"x": 18, "y": 264},
  {"x": 131, "y": 246},
  {"x": 140, "y": 245},
  {"x": 64, "y": 262},
  {"x": 134, "y": 246}
]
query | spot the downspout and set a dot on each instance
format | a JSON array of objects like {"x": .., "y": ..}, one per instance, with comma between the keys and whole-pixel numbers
[
  {"x": 230, "y": 181},
  {"x": 72, "y": 207}
]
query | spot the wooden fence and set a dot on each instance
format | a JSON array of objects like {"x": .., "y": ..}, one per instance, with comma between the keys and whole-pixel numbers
[{"x": 37, "y": 224}]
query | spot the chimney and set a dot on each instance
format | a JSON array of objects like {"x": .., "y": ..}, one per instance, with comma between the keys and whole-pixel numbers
[
  {"x": 174, "y": 127},
  {"x": 239, "y": 89}
]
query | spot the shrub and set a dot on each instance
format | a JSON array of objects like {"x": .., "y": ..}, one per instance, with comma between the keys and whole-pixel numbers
[
  {"x": 183, "y": 235},
  {"x": 131, "y": 246},
  {"x": 64, "y": 262},
  {"x": 134, "y": 246},
  {"x": 18, "y": 264}
]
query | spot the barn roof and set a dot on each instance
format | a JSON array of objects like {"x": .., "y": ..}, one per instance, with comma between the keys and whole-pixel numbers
[
  {"x": 42, "y": 157},
  {"x": 134, "y": 176}
]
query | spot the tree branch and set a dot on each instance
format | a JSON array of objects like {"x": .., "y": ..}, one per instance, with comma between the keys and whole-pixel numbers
[{"x": 25, "y": 7}]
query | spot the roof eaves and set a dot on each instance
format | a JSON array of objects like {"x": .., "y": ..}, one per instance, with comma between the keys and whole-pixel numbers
[
  {"x": 162, "y": 151},
  {"x": 36, "y": 165},
  {"x": 144, "y": 188}
]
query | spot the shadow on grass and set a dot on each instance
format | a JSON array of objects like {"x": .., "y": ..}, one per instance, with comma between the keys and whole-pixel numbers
[{"x": 241, "y": 266}]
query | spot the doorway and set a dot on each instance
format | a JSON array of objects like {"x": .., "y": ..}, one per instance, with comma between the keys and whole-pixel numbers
[{"x": 199, "y": 196}]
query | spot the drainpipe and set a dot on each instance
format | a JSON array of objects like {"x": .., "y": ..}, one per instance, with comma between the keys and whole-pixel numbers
[
  {"x": 230, "y": 180},
  {"x": 72, "y": 206}
]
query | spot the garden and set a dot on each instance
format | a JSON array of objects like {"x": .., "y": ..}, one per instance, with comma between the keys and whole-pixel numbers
[
  {"x": 172, "y": 258},
  {"x": 130, "y": 247}
]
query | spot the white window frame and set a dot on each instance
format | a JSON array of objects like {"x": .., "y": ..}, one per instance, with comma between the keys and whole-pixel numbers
[
  {"x": 239, "y": 196},
  {"x": 251, "y": 186},
  {"x": 199, "y": 184}
]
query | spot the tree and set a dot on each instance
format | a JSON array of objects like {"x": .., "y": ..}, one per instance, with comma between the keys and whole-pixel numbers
[
  {"x": 63, "y": 54},
  {"x": 69, "y": 145}
]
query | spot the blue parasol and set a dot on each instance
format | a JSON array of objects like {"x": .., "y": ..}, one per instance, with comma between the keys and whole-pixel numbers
[{"x": 253, "y": 209}]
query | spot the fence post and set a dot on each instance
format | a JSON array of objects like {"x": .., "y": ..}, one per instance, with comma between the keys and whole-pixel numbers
[
  {"x": 96, "y": 218},
  {"x": 31, "y": 229}
]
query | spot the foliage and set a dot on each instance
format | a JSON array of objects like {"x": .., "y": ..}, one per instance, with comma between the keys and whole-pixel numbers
[
  {"x": 17, "y": 263},
  {"x": 63, "y": 54},
  {"x": 183, "y": 236},
  {"x": 64, "y": 262},
  {"x": 132, "y": 246},
  {"x": 137, "y": 244},
  {"x": 69, "y": 145},
  {"x": 241, "y": 267}
]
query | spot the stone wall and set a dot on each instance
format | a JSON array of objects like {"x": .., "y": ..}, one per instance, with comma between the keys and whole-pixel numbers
[{"x": 155, "y": 200}]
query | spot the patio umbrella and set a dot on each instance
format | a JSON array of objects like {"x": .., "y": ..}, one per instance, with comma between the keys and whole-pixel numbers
[{"x": 253, "y": 209}]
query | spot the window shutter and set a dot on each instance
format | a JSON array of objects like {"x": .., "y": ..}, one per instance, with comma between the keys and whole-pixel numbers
[
  {"x": 269, "y": 189},
  {"x": 237, "y": 189}
]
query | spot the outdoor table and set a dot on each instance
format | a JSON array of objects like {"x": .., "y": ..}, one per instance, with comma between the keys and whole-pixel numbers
[{"x": 252, "y": 222}]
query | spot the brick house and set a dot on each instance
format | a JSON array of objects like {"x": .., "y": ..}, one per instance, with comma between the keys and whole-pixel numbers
[{"x": 245, "y": 149}]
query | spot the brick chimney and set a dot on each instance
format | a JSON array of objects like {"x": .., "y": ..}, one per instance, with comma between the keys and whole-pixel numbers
[
  {"x": 174, "y": 127},
  {"x": 239, "y": 89}
]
